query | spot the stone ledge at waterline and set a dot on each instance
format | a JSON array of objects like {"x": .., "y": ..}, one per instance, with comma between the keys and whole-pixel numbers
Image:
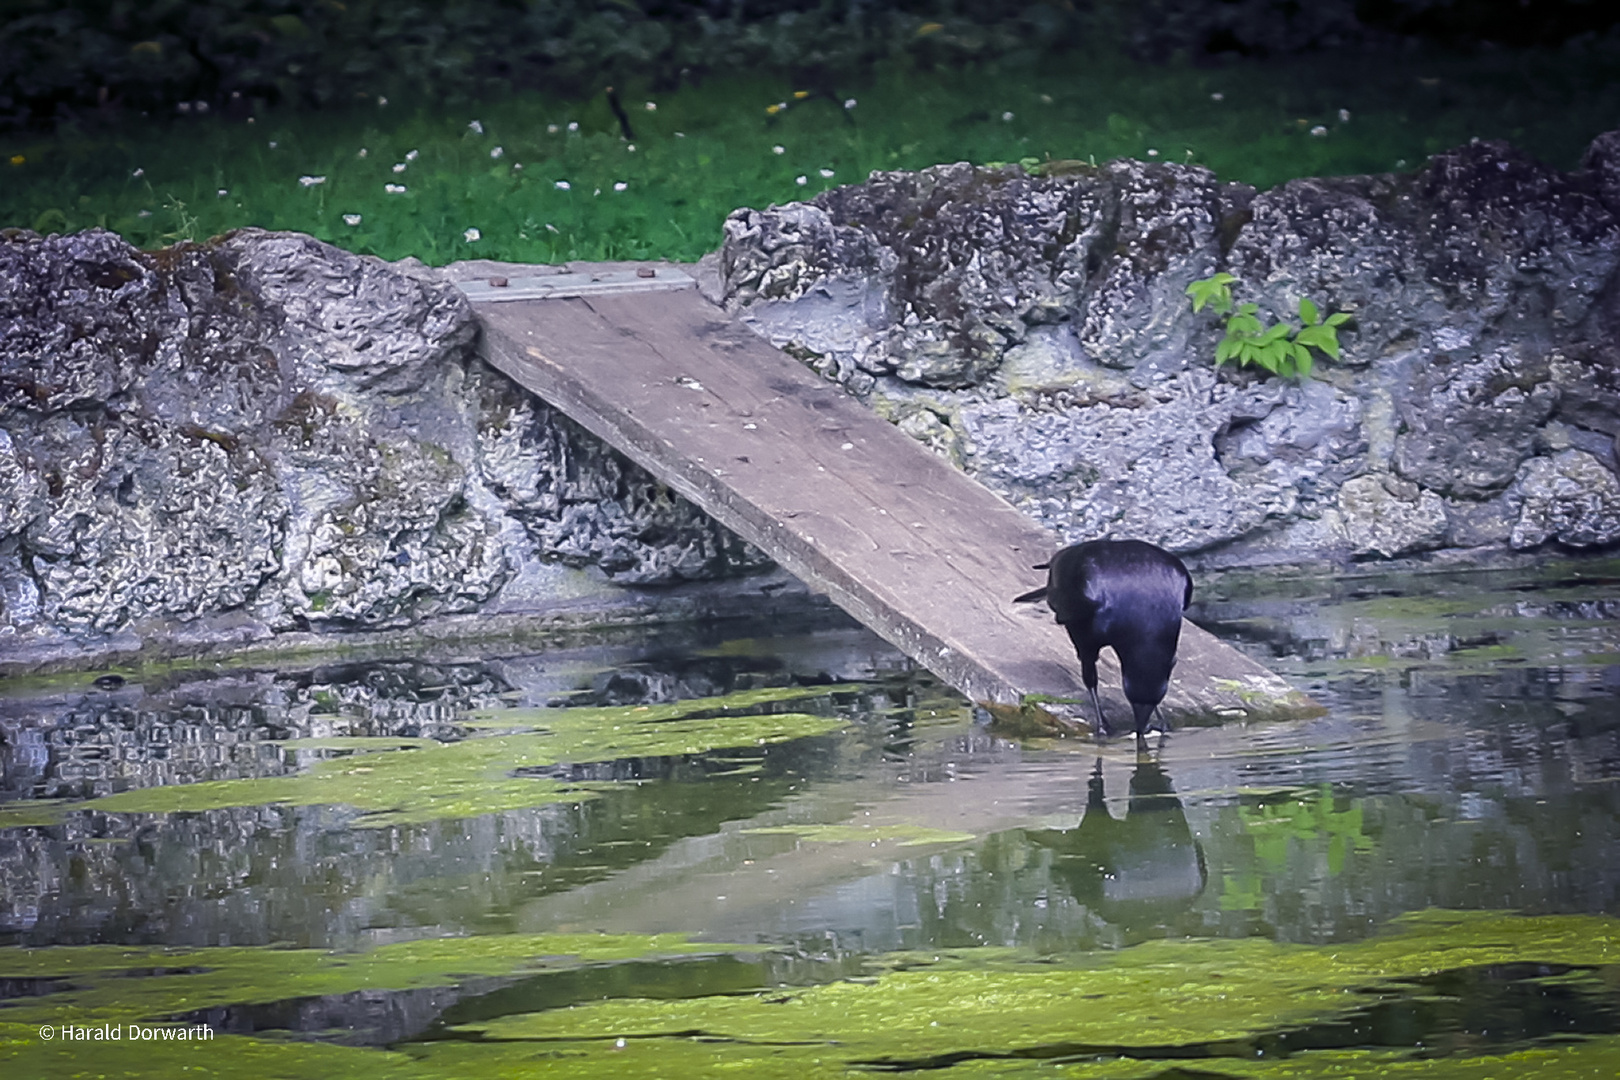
[
  {"x": 1037, "y": 330},
  {"x": 264, "y": 439}
]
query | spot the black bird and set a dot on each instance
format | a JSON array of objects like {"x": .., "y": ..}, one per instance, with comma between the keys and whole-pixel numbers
[{"x": 1128, "y": 595}]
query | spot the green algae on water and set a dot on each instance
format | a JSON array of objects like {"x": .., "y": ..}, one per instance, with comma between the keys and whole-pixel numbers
[
  {"x": 394, "y": 781},
  {"x": 986, "y": 1012},
  {"x": 223, "y": 1057},
  {"x": 697, "y": 1057},
  {"x": 905, "y": 834},
  {"x": 231, "y": 1057},
  {"x": 1197, "y": 998},
  {"x": 116, "y": 985},
  {"x": 113, "y": 983}
]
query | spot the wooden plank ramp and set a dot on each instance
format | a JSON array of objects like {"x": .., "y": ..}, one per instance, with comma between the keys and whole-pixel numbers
[{"x": 907, "y": 544}]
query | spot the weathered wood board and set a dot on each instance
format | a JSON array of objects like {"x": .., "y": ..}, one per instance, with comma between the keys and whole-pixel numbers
[
  {"x": 499, "y": 288},
  {"x": 910, "y": 546}
]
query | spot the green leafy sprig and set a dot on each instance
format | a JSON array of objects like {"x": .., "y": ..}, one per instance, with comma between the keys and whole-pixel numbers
[{"x": 1283, "y": 349}]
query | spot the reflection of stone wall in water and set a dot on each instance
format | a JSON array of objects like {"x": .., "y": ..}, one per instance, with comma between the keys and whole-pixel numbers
[
  {"x": 262, "y": 874},
  {"x": 266, "y": 434},
  {"x": 1037, "y": 331}
]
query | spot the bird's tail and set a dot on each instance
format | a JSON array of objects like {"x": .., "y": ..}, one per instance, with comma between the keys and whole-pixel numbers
[{"x": 1034, "y": 594}]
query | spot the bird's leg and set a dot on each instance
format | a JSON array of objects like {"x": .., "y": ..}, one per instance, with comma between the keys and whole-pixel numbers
[
  {"x": 1155, "y": 723},
  {"x": 1097, "y": 703},
  {"x": 1088, "y": 675}
]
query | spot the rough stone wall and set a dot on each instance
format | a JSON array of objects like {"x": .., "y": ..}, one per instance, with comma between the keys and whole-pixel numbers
[
  {"x": 265, "y": 433},
  {"x": 1036, "y": 330}
]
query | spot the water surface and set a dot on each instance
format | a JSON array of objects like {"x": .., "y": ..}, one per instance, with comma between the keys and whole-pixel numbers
[{"x": 803, "y": 812}]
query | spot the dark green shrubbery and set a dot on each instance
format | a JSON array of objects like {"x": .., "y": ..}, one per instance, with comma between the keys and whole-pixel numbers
[
  {"x": 1161, "y": 29},
  {"x": 61, "y": 59},
  {"x": 70, "y": 58}
]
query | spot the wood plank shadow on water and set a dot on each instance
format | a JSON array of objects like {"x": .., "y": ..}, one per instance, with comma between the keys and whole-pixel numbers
[{"x": 829, "y": 802}]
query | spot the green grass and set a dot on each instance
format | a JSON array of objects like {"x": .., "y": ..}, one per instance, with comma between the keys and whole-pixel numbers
[{"x": 707, "y": 150}]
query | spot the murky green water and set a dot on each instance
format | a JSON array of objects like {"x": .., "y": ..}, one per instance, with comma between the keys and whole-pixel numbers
[{"x": 690, "y": 854}]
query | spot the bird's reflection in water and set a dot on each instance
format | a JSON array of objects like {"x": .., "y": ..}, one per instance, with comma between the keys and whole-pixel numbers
[{"x": 1137, "y": 869}]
